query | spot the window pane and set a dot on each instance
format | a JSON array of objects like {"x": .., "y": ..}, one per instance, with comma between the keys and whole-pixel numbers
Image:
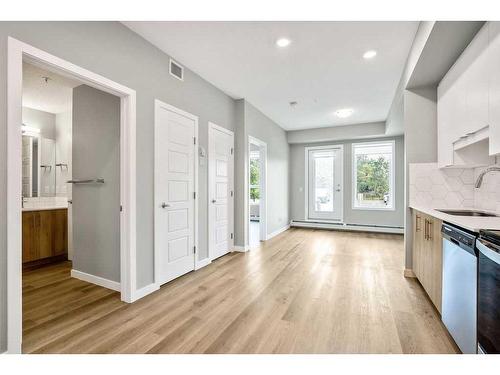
[
  {"x": 373, "y": 175},
  {"x": 323, "y": 194},
  {"x": 254, "y": 171},
  {"x": 254, "y": 194}
]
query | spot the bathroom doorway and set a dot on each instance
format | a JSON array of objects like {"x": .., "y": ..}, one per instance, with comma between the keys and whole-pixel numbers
[{"x": 41, "y": 170}]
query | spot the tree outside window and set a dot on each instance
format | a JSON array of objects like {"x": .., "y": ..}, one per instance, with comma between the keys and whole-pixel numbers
[
  {"x": 373, "y": 164},
  {"x": 254, "y": 180}
]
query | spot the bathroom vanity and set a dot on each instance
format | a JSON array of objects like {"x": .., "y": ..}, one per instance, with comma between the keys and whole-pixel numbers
[{"x": 45, "y": 236}]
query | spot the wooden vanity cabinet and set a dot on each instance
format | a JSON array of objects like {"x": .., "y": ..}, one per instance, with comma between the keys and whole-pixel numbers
[
  {"x": 428, "y": 255},
  {"x": 45, "y": 235}
]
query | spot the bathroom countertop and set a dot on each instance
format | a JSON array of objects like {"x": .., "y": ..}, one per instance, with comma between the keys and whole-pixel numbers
[
  {"x": 25, "y": 209},
  {"x": 472, "y": 223}
]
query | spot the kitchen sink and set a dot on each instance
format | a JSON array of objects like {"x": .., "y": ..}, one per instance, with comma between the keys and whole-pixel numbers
[{"x": 468, "y": 213}]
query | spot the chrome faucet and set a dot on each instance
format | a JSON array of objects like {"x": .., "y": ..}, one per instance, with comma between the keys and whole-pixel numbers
[{"x": 479, "y": 180}]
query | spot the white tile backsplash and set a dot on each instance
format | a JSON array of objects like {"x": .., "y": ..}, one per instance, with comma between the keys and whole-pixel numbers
[
  {"x": 453, "y": 188},
  {"x": 441, "y": 188}
]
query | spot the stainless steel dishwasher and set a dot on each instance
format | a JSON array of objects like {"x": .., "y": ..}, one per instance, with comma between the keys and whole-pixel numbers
[{"x": 459, "y": 308}]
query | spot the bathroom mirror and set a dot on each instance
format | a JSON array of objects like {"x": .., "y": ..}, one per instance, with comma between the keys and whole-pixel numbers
[{"x": 38, "y": 165}]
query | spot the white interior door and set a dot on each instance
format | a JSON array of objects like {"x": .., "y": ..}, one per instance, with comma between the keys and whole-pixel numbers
[
  {"x": 175, "y": 138},
  {"x": 325, "y": 183},
  {"x": 220, "y": 191}
]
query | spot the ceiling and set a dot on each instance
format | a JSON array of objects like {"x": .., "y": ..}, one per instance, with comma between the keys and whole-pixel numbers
[
  {"x": 322, "y": 69},
  {"x": 54, "y": 96}
]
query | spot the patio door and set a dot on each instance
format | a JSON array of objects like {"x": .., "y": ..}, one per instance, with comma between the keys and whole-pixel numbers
[{"x": 325, "y": 182}]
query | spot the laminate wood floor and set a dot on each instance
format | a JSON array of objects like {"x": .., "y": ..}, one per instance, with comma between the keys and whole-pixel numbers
[{"x": 304, "y": 291}]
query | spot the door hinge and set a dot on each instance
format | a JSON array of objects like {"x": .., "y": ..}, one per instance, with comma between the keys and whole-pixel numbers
[
  {"x": 121, "y": 208},
  {"x": 194, "y": 140},
  {"x": 231, "y": 236},
  {"x": 194, "y": 194},
  {"x": 194, "y": 249},
  {"x": 232, "y": 150},
  {"x": 232, "y": 193}
]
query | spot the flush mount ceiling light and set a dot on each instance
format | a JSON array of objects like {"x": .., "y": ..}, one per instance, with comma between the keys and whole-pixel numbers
[
  {"x": 283, "y": 42},
  {"x": 343, "y": 113},
  {"x": 369, "y": 54}
]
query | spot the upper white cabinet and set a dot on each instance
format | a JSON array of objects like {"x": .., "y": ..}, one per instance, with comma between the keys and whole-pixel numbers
[
  {"x": 494, "y": 87},
  {"x": 464, "y": 105}
]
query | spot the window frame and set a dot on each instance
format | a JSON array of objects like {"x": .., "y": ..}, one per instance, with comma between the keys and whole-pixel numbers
[{"x": 392, "y": 172}]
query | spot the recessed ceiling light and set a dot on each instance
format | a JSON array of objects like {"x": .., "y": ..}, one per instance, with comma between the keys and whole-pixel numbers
[
  {"x": 343, "y": 113},
  {"x": 369, "y": 54},
  {"x": 283, "y": 42}
]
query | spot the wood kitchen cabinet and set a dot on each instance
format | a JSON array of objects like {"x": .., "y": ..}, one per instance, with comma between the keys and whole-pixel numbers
[
  {"x": 45, "y": 235},
  {"x": 428, "y": 255}
]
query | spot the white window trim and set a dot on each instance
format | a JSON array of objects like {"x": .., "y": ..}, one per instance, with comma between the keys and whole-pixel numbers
[{"x": 392, "y": 172}]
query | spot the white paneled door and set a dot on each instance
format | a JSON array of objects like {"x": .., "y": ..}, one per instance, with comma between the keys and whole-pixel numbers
[
  {"x": 175, "y": 197},
  {"x": 220, "y": 190}
]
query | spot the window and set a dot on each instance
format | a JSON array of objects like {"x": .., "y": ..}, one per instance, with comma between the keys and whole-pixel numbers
[
  {"x": 373, "y": 175},
  {"x": 254, "y": 177}
]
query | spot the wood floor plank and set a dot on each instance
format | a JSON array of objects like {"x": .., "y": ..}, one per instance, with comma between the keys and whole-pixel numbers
[{"x": 303, "y": 291}]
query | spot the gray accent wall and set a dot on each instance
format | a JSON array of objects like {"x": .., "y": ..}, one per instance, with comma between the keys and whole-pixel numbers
[
  {"x": 112, "y": 50},
  {"x": 251, "y": 122},
  {"x": 351, "y": 216}
]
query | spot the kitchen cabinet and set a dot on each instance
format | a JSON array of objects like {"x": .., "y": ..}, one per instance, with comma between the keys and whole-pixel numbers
[
  {"x": 428, "y": 255},
  {"x": 45, "y": 235},
  {"x": 465, "y": 103},
  {"x": 494, "y": 87}
]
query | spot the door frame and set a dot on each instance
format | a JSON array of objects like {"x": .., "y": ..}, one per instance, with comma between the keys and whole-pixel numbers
[
  {"x": 263, "y": 190},
  {"x": 197, "y": 263},
  {"x": 211, "y": 126},
  {"x": 18, "y": 51},
  {"x": 306, "y": 183}
]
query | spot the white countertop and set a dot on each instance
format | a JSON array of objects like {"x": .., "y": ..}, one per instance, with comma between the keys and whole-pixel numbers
[
  {"x": 472, "y": 223},
  {"x": 44, "y": 208}
]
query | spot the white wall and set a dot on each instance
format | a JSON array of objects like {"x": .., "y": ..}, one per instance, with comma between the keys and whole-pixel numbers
[{"x": 336, "y": 133}]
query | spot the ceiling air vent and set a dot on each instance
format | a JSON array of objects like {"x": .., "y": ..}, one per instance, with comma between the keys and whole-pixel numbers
[{"x": 176, "y": 70}]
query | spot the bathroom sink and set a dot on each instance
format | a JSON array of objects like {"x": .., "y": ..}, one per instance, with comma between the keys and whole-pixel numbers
[{"x": 468, "y": 213}]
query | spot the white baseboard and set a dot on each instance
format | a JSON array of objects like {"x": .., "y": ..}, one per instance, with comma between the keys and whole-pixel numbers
[
  {"x": 203, "y": 263},
  {"x": 144, "y": 291},
  {"x": 276, "y": 232},
  {"x": 340, "y": 226},
  {"x": 113, "y": 285},
  {"x": 241, "y": 249}
]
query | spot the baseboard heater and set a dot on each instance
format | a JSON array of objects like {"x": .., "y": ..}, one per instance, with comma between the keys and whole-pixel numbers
[{"x": 346, "y": 226}]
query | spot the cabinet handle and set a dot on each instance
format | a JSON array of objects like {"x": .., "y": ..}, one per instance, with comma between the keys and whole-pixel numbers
[
  {"x": 430, "y": 231},
  {"x": 417, "y": 228},
  {"x": 426, "y": 229}
]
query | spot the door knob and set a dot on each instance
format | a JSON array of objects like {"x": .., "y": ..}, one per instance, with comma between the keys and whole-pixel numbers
[
  {"x": 164, "y": 205},
  {"x": 213, "y": 201}
]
